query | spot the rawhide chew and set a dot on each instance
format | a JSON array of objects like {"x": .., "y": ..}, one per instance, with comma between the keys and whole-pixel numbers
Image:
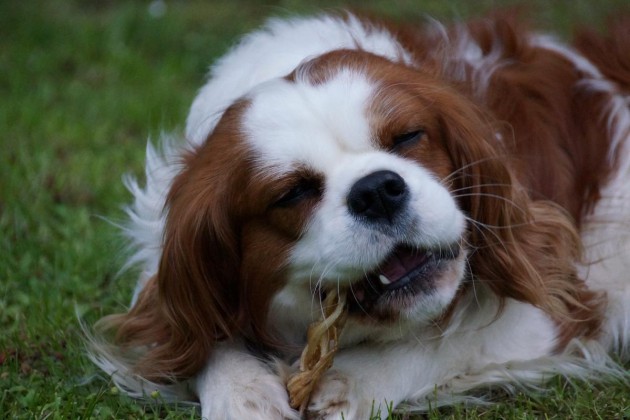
[{"x": 317, "y": 356}]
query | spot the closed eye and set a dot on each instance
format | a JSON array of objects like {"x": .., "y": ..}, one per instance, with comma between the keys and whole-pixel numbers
[
  {"x": 407, "y": 139},
  {"x": 305, "y": 188}
]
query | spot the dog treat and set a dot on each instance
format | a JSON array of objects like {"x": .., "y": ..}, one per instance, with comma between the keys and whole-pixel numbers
[{"x": 317, "y": 356}]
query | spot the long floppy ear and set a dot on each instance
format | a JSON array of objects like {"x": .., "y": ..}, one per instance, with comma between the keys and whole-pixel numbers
[
  {"x": 194, "y": 299},
  {"x": 521, "y": 248}
]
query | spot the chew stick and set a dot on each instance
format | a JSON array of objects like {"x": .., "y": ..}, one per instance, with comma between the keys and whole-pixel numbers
[{"x": 321, "y": 346}]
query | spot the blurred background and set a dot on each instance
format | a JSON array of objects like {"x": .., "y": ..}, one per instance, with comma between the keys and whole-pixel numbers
[{"x": 83, "y": 85}]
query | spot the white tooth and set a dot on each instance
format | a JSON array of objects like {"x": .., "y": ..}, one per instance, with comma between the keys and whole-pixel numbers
[{"x": 384, "y": 279}]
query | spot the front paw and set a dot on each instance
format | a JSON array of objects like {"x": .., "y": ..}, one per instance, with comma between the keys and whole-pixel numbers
[
  {"x": 235, "y": 385},
  {"x": 339, "y": 396},
  {"x": 262, "y": 398}
]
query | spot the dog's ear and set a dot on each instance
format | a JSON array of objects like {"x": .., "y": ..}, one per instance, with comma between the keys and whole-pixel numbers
[
  {"x": 198, "y": 277},
  {"x": 520, "y": 248},
  {"x": 195, "y": 298}
]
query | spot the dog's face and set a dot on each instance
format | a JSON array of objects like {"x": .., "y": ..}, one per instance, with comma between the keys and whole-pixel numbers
[
  {"x": 352, "y": 172},
  {"x": 358, "y": 176}
]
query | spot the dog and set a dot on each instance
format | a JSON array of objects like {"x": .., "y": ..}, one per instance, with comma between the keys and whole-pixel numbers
[{"x": 467, "y": 185}]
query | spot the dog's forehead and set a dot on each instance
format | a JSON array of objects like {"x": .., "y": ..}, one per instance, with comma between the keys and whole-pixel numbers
[{"x": 295, "y": 122}]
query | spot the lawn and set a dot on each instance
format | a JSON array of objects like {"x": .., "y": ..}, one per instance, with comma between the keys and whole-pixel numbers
[{"x": 83, "y": 85}]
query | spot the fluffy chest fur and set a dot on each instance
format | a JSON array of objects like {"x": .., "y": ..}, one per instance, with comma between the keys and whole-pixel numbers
[{"x": 444, "y": 177}]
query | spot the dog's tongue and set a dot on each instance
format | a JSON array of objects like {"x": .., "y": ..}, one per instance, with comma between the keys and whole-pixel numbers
[{"x": 401, "y": 262}]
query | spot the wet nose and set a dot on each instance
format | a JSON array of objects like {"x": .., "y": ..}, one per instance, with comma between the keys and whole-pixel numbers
[{"x": 378, "y": 197}]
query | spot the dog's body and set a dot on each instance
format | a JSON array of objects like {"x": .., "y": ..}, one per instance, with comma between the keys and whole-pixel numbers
[{"x": 470, "y": 187}]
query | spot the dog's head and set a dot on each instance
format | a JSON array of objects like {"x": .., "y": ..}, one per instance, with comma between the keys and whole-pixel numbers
[{"x": 351, "y": 172}]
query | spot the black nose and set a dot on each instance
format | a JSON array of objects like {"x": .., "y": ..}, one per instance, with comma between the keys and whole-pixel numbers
[{"x": 378, "y": 196}]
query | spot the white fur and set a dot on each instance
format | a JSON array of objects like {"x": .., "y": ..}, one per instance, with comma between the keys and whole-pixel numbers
[
  {"x": 146, "y": 214},
  {"x": 464, "y": 58},
  {"x": 120, "y": 371},
  {"x": 234, "y": 386},
  {"x": 277, "y": 49},
  {"x": 411, "y": 368},
  {"x": 606, "y": 237},
  {"x": 330, "y": 133}
]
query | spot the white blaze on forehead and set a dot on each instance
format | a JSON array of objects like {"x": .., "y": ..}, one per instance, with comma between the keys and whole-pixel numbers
[{"x": 291, "y": 123}]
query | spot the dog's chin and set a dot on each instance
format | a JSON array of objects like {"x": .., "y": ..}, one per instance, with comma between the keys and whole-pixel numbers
[{"x": 410, "y": 283}]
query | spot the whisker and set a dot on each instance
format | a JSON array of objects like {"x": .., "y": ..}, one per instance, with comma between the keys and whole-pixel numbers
[
  {"x": 496, "y": 227},
  {"x": 469, "y": 165},
  {"x": 479, "y": 185},
  {"x": 490, "y": 195},
  {"x": 483, "y": 230}
]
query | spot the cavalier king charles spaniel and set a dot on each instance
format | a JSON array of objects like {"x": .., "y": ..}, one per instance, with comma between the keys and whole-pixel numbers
[{"x": 468, "y": 186}]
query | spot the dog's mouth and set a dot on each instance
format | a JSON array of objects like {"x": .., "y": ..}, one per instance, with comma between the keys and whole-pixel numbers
[{"x": 406, "y": 273}]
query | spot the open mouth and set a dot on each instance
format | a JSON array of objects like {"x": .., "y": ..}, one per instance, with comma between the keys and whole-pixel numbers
[{"x": 406, "y": 272}]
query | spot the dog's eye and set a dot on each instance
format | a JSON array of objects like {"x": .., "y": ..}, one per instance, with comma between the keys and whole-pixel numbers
[
  {"x": 407, "y": 139},
  {"x": 305, "y": 188}
]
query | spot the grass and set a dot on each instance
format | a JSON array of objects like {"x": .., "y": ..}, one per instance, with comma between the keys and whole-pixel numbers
[{"x": 83, "y": 84}]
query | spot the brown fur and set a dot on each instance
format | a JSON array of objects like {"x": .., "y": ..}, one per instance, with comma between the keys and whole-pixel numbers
[
  {"x": 199, "y": 296},
  {"x": 548, "y": 167},
  {"x": 522, "y": 247},
  {"x": 609, "y": 52}
]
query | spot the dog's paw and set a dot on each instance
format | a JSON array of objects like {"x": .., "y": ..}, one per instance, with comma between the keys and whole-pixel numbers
[
  {"x": 339, "y": 396},
  {"x": 237, "y": 386},
  {"x": 263, "y": 398}
]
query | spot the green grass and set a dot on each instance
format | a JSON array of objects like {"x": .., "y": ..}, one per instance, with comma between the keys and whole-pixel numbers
[{"x": 83, "y": 84}]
